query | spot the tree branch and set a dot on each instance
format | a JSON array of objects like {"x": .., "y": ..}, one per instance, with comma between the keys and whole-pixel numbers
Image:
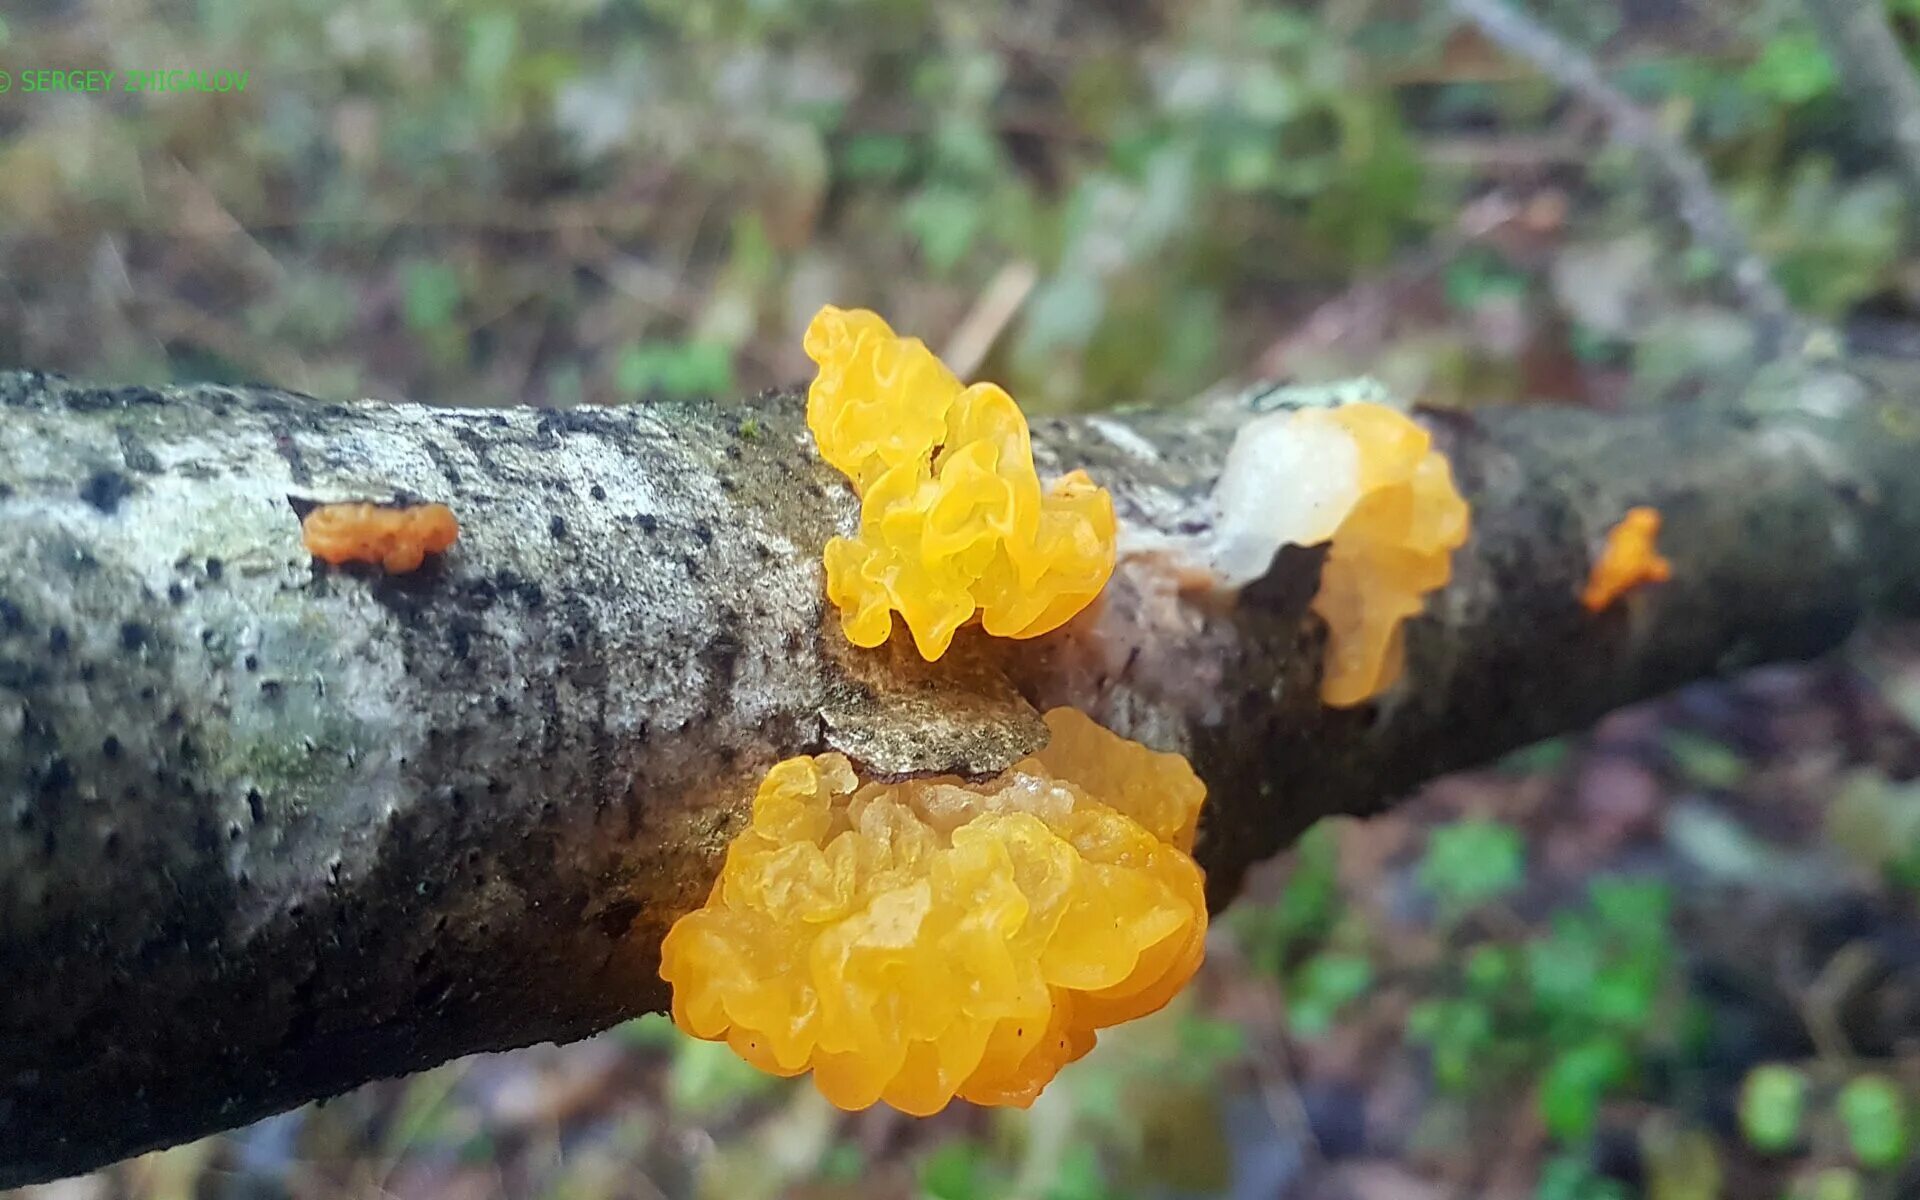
[
  {"x": 269, "y": 830},
  {"x": 1672, "y": 166}
]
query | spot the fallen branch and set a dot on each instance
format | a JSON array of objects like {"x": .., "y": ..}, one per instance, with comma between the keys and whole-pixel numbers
[{"x": 269, "y": 830}]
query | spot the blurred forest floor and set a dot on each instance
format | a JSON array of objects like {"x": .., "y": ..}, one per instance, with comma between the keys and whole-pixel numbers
[{"x": 1676, "y": 957}]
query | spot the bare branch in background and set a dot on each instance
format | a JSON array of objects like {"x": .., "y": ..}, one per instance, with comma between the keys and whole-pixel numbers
[
  {"x": 1875, "y": 72},
  {"x": 1675, "y": 168}
]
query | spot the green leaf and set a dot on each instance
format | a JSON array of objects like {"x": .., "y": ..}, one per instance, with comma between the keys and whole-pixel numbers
[
  {"x": 1063, "y": 315},
  {"x": 1250, "y": 161},
  {"x": 1537, "y": 758},
  {"x": 1323, "y": 986},
  {"x": 876, "y": 156},
  {"x": 566, "y": 387},
  {"x": 843, "y": 1162},
  {"x": 1877, "y": 823},
  {"x": 679, "y": 369},
  {"x": 1373, "y": 184},
  {"x": 1875, "y": 1115},
  {"x": 1268, "y": 94},
  {"x": 1575, "y": 1083},
  {"x": 1704, "y": 761},
  {"x": 1571, "y": 1177},
  {"x": 1792, "y": 68},
  {"x": 944, "y": 221},
  {"x": 1473, "y": 279},
  {"x": 431, "y": 294},
  {"x": 1772, "y": 1103},
  {"x": 1457, "y": 1034},
  {"x": 708, "y": 1078},
  {"x": 1491, "y": 969},
  {"x": 1209, "y": 1042},
  {"x": 1681, "y": 1163},
  {"x": 1833, "y": 239},
  {"x": 1834, "y": 1183},
  {"x": 1472, "y": 862},
  {"x": 1306, "y": 909},
  {"x": 1562, "y": 968},
  {"x": 1311, "y": 895},
  {"x": 1281, "y": 29},
  {"x": 1566, "y": 1177},
  {"x": 1625, "y": 992},
  {"x": 653, "y": 1029},
  {"x": 964, "y": 149},
  {"x": 493, "y": 38},
  {"x": 957, "y": 1170},
  {"x": 1636, "y": 909},
  {"x": 1079, "y": 1177}
]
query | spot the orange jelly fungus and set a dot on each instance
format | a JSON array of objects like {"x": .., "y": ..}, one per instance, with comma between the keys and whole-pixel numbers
[
  {"x": 1628, "y": 560},
  {"x": 1393, "y": 546},
  {"x": 954, "y": 522},
  {"x": 396, "y": 538},
  {"x": 920, "y": 940}
]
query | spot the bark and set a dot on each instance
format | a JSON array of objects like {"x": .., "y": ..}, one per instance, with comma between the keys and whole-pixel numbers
[{"x": 270, "y": 829}]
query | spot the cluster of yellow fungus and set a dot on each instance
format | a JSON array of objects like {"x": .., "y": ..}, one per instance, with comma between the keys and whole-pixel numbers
[
  {"x": 953, "y": 519},
  {"x": 1627, "y": 560},
  {"x": 396, "y": 538},
  {"x": 1366, "y": 478},
  {"x": 916, "y": 941}
]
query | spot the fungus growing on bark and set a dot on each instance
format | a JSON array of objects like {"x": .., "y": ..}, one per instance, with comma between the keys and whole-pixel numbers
[
  {"x": 396, "y": 538},
  {"x": 954, "y": 522},
  {"x": 920, "y": 940},
  {"x": 1365, "y": 478},
  {"x": 1628, "y": 560}
]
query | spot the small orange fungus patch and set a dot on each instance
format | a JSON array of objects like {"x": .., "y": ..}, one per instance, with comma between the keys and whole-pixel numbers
[
  {"x": 1628, "y": 560},
  {"x": 916, "y": 941},
  {"x": 397, "y": 538},
  {"x": 954, "y": 522}
]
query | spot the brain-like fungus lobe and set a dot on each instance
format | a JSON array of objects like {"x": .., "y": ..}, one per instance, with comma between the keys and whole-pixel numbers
[
  {"x": 1627, "y": 560},
  {"x": 1367, "y": 479},
  {"x": 397, "y": 538},
  {"x": 954, "y": 522},
  {"x": 916, "y": 941}
]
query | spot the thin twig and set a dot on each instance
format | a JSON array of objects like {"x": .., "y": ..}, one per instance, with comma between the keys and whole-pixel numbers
[
  {"x": 1667, "y": 159},
  {"x": 990, "y": 316},
  {"x": 1874, "y": 71}
]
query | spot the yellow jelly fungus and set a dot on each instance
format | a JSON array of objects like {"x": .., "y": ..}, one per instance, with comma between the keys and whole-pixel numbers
[
  {"x": 1627, "y": 561},
  {"x": 920, "y": 940},
  {"x": 1394, "y": 546},
  {"x": 954, "y": 522},
  {"x": 1366, "y": 478}
]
